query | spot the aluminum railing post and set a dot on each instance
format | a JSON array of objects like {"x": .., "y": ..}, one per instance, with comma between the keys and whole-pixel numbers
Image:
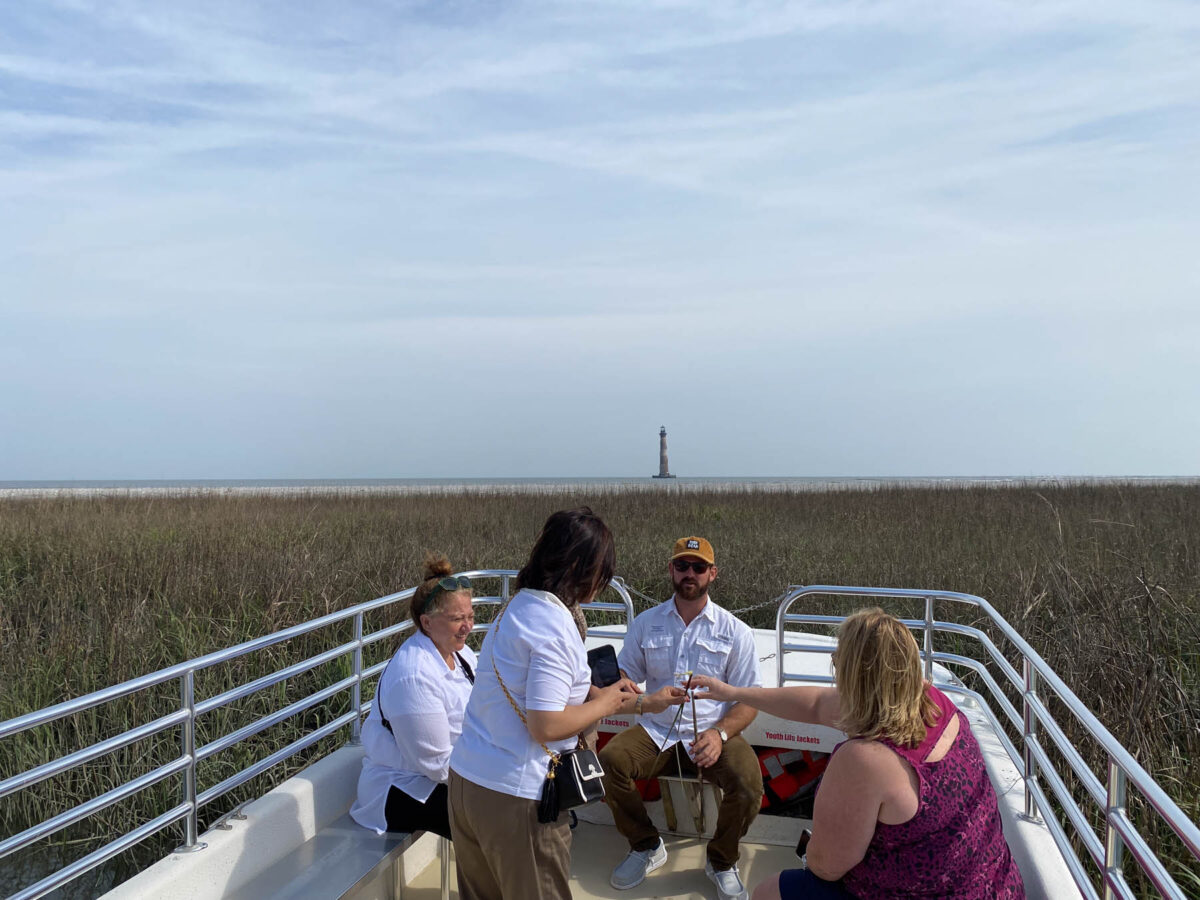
[
  {"x": 188, "y": 739},
  {"x": 929, "y": 639},
  {"x": 444, "y": 858},
  {"x": 356, "y": 688},
  {"x": 1029, "y": 730},
  {"x": 780, "y": 625},
  {"x": 1114, "y": 846}
]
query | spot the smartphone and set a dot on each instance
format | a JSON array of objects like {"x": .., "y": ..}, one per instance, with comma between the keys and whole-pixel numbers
[{"x": 603, "y": 663}]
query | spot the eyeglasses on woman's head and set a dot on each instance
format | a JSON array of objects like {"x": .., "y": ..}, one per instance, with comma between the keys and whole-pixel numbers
[{"x": 449, "y": 584}]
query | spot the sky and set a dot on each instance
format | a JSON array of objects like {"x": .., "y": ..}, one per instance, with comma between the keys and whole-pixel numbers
[{"x": 449, "y": 239}]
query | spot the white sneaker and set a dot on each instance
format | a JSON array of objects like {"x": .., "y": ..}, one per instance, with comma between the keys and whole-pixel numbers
[
  {"x": 729, "y": 883},
  {"x": 637, "y": 865}
]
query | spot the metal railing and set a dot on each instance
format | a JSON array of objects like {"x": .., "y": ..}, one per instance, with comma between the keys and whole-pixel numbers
[
  {"x": 192, "y": 798},
  {"x": 1035, "y": 683}
]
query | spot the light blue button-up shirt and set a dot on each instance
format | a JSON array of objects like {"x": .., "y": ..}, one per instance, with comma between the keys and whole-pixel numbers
[{"x": 660, "y": 650}]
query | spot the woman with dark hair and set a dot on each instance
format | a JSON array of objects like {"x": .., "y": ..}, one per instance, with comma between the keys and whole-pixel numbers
[
  {"x": 418, "y": 711},
  {"x": 533, "y": 694},
  {"x": 905, "y": 808}
]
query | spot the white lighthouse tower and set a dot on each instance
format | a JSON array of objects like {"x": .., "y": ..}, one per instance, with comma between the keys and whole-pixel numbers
[{"x": 663, "y": 470}]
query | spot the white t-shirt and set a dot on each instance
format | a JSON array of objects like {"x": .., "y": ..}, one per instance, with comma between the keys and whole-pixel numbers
[
  {"x": 542, "y": 660},
  {"x": 659, "y": 649},
  {"x": 424, "y": 701}
]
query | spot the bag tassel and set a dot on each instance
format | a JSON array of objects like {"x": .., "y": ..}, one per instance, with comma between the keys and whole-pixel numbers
[{"x": 548, "y": 805}]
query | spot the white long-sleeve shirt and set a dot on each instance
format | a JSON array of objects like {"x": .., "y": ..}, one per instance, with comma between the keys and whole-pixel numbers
[
  {"x": 542, "y": 660},
  {"x": 659, "y": 649},
  {"x": 424, "y": 701}
]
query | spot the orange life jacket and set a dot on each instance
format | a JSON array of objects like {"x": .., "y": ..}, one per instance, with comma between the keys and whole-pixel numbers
[{"x": 788, "y": 775}]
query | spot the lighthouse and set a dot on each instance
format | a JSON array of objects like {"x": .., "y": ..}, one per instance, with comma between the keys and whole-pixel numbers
[{"x": 663, "y": 470}]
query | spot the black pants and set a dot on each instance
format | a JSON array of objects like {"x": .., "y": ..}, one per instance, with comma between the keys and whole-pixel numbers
[{"x": 404, "y": 814}]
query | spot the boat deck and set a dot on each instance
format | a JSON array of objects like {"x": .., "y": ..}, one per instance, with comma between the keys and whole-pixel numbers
[{"x": 598, "y": 848}]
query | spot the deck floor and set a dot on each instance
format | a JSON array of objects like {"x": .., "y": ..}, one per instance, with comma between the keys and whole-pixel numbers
[{"x": 598, "y": 848}]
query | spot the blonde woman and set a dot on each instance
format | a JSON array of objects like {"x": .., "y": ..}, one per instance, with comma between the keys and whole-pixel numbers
[{"x": 905, "y": 808}]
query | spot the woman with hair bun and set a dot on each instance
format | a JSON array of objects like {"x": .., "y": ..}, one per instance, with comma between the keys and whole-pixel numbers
[
  {"x": 905, "y": 808},
  {"x": 418, "y": 711}
]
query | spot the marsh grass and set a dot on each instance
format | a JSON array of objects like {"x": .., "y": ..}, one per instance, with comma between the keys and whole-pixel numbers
[{"x": 1103, "y": 581}]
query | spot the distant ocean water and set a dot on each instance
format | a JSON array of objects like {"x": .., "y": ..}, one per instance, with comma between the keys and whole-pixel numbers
[{"x": 408, "y": 486}]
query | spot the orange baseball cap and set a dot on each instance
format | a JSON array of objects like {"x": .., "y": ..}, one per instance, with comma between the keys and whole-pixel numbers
[{"x": 694, "y": 546}]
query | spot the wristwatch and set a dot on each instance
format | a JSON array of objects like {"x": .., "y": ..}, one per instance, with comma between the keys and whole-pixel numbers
[{"x": 724, "y": 736}]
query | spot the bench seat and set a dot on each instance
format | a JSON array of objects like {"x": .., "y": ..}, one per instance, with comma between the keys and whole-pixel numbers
[
  {"x": 332, "y": 863},
  {"x": 297, "y": 840}
]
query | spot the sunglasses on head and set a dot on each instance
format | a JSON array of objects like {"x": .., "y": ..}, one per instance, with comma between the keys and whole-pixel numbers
[
  {"x": 450, "y": 584},
  {"x": 682, "y": 565}
]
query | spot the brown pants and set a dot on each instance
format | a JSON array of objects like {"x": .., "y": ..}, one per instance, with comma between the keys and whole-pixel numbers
[
  {"x": 501, "y": 850},
  {"x": 632, "y": 755}
]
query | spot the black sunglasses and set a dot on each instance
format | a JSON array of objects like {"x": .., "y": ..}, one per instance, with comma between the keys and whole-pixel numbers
[
  {"x": 682, "y": 565},
  {"x": 450, "y": 584}
]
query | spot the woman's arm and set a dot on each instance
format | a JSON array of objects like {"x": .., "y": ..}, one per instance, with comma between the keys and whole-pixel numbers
[
  {"x": 847, "y": 809},
  {"x": 420, "y": 725},
  {"x": 594, "y": 692},
  {"x": 547, "y": 725},
  {"x": 424, "y": 741},
  {"x": 816, "y": 705}
]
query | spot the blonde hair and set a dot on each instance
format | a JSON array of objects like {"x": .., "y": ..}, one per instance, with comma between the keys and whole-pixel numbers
[{"x": 877, "y": 669}]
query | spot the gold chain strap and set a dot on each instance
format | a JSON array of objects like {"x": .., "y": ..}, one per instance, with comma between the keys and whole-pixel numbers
[{"x": 513, "y": 703}]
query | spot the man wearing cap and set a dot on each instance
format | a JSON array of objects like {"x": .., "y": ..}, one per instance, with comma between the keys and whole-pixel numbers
[{"x": 666, "y": 644}]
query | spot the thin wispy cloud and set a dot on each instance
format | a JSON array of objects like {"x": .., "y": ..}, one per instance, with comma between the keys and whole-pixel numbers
[{"x": 905, "y": 215}]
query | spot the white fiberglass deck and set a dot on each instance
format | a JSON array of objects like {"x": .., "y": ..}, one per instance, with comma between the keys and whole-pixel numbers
[{"x": 597, "y": 848}]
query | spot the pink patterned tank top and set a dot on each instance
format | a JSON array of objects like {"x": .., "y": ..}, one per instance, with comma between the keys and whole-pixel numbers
[{"x": 954, "y": 846}]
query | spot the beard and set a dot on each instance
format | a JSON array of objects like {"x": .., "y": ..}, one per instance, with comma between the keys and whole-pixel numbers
[{"x": 689, "y": 589}]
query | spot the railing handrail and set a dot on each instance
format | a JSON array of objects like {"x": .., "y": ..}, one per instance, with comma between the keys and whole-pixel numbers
[
  {"x": 48, "y": 714},
  {"x": 1123, "y": 768},
  {"x": 133, "y": 685}
]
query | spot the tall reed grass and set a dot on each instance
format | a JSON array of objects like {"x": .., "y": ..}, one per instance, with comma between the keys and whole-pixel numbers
[{"x": 1104, "y": 581}]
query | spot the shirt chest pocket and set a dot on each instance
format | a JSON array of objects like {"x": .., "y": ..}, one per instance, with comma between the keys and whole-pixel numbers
[
  {"x": 660, "y": 660},
  {"x": 712, "y": 655}
]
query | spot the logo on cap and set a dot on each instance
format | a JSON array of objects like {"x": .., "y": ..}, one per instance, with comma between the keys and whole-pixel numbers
[{"x": 693, "y": 546}]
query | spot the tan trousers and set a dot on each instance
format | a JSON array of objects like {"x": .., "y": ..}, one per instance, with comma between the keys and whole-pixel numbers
[
  {"x": 632, "y": 755},
  {"x": 501, "y": 850}
]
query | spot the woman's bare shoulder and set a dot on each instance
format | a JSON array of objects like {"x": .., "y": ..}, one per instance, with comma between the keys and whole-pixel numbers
[{"x": 870, "y": 759}]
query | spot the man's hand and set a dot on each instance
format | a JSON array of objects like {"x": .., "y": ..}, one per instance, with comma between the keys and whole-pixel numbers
[
  {"x": 706, "y": 750},
  {"x": 665, "y": 696}
]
